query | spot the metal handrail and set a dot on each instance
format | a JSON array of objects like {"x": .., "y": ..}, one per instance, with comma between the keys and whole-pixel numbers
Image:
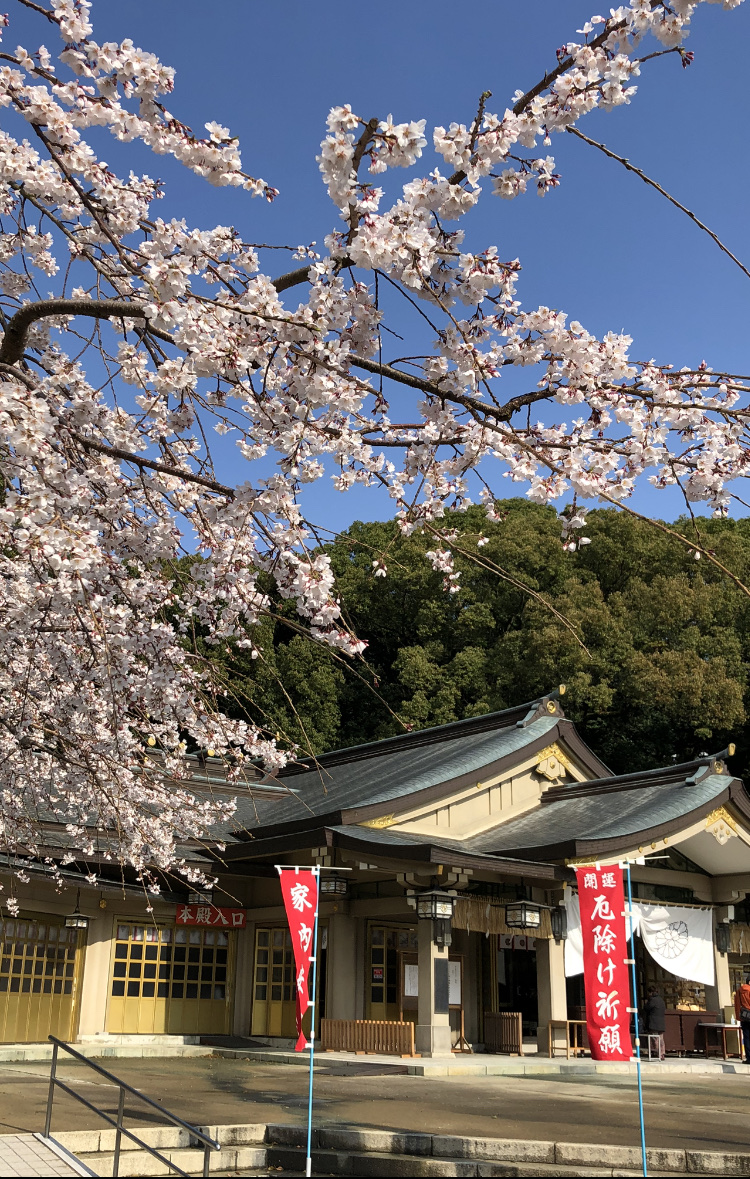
[{"x": 208, "y": 1143}]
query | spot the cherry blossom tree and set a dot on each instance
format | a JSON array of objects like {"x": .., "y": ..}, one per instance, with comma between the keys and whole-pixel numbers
[{"x": 160, "y": 335}]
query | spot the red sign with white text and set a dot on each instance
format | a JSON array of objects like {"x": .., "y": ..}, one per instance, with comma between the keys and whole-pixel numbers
[
  {"x": 299, "y": 888},
  {"x": 605, "y": 970},
  {"x": 210, "y": 915}
]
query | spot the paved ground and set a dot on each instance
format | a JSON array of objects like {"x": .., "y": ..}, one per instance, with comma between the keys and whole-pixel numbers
[
  {"x": 709, "y": 1113},
  {"x": 22, "y": 1154}
]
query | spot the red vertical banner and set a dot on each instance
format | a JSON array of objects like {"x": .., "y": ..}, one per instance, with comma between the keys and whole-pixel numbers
[
  {"x": 605, "y": 970},
  {"x": 299, "y": 888}
]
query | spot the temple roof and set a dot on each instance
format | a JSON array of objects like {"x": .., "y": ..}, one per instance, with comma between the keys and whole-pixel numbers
[
  {"x": 345, "y": 784},
  {"x": 580, "y": 819},
  {"x": 357, "y": 799}
]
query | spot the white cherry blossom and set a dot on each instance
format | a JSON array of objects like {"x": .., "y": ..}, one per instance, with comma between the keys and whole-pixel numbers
[{"x": 161, "y": 338}]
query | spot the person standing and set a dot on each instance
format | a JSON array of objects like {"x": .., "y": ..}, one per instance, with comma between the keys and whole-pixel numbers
[
  {"x": 655, "y": 1018},
  {"x": 742, "y": 1011}
]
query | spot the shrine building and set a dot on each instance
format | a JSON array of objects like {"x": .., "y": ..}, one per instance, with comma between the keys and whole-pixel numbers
[{"x": 448, "y": 897}]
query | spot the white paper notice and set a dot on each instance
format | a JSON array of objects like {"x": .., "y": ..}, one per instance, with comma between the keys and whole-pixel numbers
[
  {"x": 454, "y": 984},
  {"x": 411, "y": 981}
]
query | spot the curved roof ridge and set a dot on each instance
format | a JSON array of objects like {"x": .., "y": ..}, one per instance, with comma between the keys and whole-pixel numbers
[
  {"x": 660, "y": 776},
  {"x": 506, "y": 718}
]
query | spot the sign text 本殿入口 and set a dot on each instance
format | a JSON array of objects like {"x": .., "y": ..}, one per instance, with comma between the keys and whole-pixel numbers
[{"x": 213, "y": 915}]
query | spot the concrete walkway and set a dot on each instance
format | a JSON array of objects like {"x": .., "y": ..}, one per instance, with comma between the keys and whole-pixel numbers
[
  {"x": 486, "y": 1065},
  {"x": 115, "y": 1048},
  {"x": 29, "y": 1154},
  {"x": 683, "y": 1111}
]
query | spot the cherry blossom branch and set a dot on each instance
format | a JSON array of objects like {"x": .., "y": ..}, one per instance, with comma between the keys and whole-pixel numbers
[
  {"x": 487, "y": 563},
  {"x": 561, "y": 68},
  {"x": 673, "y": 200},
  {"x": 38, "y": 8},
  {"x": 150, "y": 465},
  {"x": 693, "y": 546},
  {"x": 361, "y": 146},
  {"x": 126, "y": 455},
  {"x": 16, "y": 330},
  {"x": 501, "y": 413}
]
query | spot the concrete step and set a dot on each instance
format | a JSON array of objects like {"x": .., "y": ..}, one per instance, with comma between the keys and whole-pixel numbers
[
  {"x": 252, "y": 1148},
  {"x": 82, "y": 1142},
  {"x": 190, "y": 1159},
  {"x": 597, "y": 1157},
  {"x": 138, "y": 1050},
  {"x": 142, "y": 1038},
  {"x": 379, "y": 1165}
]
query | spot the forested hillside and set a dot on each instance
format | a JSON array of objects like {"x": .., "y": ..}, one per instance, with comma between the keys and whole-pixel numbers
[{"x": 652, "y": 644}]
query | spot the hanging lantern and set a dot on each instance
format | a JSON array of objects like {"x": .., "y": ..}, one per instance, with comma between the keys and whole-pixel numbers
[
  {"x": 722, "y": 937},
  {"x": 437, "y": 906},
  {"x": 334, "y": 886},
  {"x": 559, "y": 922},
  {"x": 523, "y": 915},
  {"x": 76, "y": 919}
]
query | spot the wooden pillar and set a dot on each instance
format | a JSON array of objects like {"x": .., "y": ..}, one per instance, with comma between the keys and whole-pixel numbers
[
  {"x": 719, "y": 995},
  {"x": 242, "y": 983}
]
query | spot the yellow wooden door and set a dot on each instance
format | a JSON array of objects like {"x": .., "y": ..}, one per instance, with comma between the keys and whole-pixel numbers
[
  {"x": 173, "y": 980},
  {"x": 41, "y": 963},
  {"x": 274, "y": 1007},
  {"x": 383, "y": 982}
]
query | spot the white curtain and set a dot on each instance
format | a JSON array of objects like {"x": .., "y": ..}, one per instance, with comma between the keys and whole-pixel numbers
[
  {"x": 679, "y": 939},
  {"x": 574, "y": 940}
]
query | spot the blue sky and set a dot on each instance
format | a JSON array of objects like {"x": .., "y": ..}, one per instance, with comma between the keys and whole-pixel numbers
[{"x": 603, "y": 247}]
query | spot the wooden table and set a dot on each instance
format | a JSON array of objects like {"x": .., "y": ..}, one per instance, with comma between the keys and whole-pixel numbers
[
  {"x": 577, "y": 1048},
  {"x": 720, "y": 1045}
]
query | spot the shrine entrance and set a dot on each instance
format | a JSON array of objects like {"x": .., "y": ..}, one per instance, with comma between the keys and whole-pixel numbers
[
  {"x": 274, "y": 1008},
  {"x": 515, "y": 978},
  {"x": 171, "y": 979},
  {"x": 386, "y": 947}
]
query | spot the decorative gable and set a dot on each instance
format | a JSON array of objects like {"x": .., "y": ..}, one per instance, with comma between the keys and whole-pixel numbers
[{"x": 491, "y": 801}]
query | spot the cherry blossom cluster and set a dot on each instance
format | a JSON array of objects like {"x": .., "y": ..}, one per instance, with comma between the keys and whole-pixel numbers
[{"x": 110, "y": 479}]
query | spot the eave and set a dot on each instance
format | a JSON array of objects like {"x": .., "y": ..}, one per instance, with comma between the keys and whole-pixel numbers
[
  {"x": 387, "y": 855},
  {"x": 583, "y": 849}
]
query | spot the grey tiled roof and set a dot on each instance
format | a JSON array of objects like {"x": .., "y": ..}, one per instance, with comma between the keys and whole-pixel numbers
[
  {"x": 605, "y": 814},
  {"x": 390, "y": 771}
]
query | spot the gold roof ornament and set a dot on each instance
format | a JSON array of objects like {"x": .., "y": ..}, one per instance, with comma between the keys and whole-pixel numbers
[
  {"x": 552, "y": 763},
  {"x": 379, "y": 823},
  {"x": 721, "y": 825}
]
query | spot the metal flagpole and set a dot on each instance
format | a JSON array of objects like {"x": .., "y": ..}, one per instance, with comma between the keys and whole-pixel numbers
[
  {"x": 635, "y": 1011},
  {"x": 316, "y": 870},
  {"x": 313, "y": 1007}
]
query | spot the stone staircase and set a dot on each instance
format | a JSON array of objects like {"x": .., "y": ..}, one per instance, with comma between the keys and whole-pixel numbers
[
  {"x": 243, "y": 1149},
  {"x": 259, "y": 1149}
]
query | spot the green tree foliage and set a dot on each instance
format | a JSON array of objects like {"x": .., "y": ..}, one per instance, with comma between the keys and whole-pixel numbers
[{"x": 653, "y": 645}]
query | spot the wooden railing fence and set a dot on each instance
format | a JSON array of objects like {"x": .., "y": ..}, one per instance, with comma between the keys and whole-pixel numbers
[
  {"x": 390, "y": 1037},
  {"x": 503, "y": 1032}
]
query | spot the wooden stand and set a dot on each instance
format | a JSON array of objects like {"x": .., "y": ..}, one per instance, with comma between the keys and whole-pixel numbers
[{"x": 577, "y": 1047}]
